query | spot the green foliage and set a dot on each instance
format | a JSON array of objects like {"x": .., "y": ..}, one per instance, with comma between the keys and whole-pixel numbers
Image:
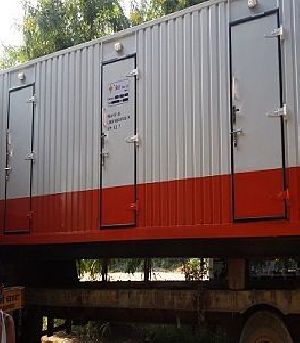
[
  {"x": 90, "y": 266},
  {"x": 153, "y": 9},
  {"x": 12, "y": 56},
  {"x": 151, "y": 333},
  {"x": 195, "y": 269},
  {"x": 53, "y": 25}
]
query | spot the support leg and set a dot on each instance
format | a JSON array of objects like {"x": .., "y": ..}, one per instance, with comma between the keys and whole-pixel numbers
[
  {"x": 147, "y": 269},
  {"x": 237, "y": 274},
  {"x": 50, "y": 326},
  {"x": 32, "y": 326},
  {"x": 68, "y": 326}
]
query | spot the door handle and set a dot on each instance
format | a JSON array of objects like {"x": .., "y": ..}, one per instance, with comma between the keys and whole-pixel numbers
[
  {"x": 104, "y": 155},
  {"x": 9, "y": 153},
  {"x": 235, "y": 91},
  {"x": 235, "y": 133},
  {"x": 235, "y": 112},
  {"x": 104, "y": 117},
  {"x": 7, "y": 172}
]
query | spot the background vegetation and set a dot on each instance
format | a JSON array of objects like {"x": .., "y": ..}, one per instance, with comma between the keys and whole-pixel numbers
[{"x": 53, "y": 25}]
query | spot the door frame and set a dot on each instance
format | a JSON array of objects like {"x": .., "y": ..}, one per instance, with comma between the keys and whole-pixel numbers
[
  {"x": 134, "y": 223},
  {"x": 282, "y": 126},
  {"x": 12, "y": 90}
]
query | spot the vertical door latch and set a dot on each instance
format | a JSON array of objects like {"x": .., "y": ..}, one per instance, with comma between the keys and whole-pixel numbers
[
  {"x": 103, "y": 155},
  {"x": 234, "y": 114},
  {"x": 235, "y": 134}
]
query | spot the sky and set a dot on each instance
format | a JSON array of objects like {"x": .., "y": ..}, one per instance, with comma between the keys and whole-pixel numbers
[{"x": 10, "y": 17}]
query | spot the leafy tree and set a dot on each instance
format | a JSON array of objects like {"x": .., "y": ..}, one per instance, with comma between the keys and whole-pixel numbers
[
  {"x": 53, "y": 25},
  {"x": 12, "y": 56},
  {"x": 148, "y": 10}
]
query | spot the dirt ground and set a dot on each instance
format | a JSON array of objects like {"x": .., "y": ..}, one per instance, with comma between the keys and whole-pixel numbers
[{"x": 64, "y": 338}]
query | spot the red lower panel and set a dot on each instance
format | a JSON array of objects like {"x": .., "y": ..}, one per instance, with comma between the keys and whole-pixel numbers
[
  {"x": 118, "y": 206},
  {"x": 66, "y": 212},
  {"x": 259, "y": 194},
  {"x": 190, "y": 208},
  {"x": 17, "y": 214}
]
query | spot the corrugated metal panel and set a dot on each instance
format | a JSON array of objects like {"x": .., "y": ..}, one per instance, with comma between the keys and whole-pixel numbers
[
  {"x": 183, "y": 97},
  {"x": 183, "y": 113},
  {"x": 67, "y": 118}
]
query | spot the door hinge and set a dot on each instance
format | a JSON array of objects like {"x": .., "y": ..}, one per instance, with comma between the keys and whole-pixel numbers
[
  {"x": 30, "y": 156},
  {"x": 280, "y": 112},
  {"x": 278, "y": 32},
  {"x": 284, "y": 195},
  {"x": 133, "y": 139},
  {"x": 134, "y": 73},
  {"x": 32, "y": 99}
]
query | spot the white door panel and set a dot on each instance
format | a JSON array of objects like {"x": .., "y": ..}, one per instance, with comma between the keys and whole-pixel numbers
[
  {"x": 19, "y": 159},
  {"x": 257, "y": 135},
  {"x": 118, "y": 143}
]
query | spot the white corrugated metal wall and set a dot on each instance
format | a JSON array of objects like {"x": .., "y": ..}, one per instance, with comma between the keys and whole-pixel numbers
[
  {"x": 182, "y": 102},
  {"x": 183, "y": 96},
  {"x": 67, "y": 122}
]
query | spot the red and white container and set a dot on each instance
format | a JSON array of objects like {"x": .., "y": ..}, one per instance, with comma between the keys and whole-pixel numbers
[{"x": 183, "y": 127}]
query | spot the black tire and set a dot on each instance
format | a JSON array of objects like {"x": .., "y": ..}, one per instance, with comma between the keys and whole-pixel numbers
[{"x": 265, "y": 327}]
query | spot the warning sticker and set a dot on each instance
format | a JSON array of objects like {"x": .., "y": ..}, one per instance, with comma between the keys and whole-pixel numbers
[
  {"x": 12, "y": 298},
  {"x": 118, "y": 92}
]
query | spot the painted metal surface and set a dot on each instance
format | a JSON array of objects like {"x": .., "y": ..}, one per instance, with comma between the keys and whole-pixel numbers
[
  {"x": 183, "y": 160},
  {"x": 119, "y": 140},
  {"x": 258, "y": 142},
  {"x": 19, "y": 159}
]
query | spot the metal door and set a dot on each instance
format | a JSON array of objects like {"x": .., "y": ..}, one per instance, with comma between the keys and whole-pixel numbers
[
  {"x": 257, "y": 119},
  {"x": 118, "y": 144},
  {"x": 19, "y": 159}
]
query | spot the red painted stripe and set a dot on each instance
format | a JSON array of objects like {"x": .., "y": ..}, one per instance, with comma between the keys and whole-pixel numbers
[
  {"x": 17, "y": 214},
  {"x": 259, "y": 194},
  {"x": 192, "y": 208},
  {"x": 118, "y": 206}
]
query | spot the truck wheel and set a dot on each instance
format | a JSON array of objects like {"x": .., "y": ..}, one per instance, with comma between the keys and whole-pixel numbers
[{"x": 265, "y": 327}]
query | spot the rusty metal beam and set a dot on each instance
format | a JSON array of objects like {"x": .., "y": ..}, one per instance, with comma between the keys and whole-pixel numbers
[{"x": 222, "y": 301}]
